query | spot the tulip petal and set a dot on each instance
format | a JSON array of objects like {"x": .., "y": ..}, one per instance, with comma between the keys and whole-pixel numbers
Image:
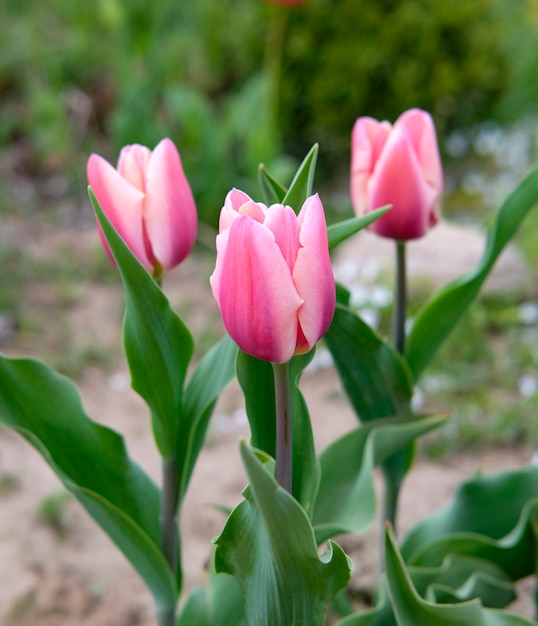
[
  {"x": 367, "y": 141},
  {"x": 283, "y": 223},
  {"x": 132, "y": 165},
  {"x": 313, "y": 274},
  {"x": 253, "y": 287},
  {"x": 169, "y": 209},
  {"x": 398, "y": 180},
  {"x": 122, "y": 204},
  {"x": 421, "y": 132}
]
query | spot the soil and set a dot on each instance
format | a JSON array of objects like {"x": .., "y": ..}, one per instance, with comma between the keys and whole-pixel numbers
[{"x": 60, "y": 569}]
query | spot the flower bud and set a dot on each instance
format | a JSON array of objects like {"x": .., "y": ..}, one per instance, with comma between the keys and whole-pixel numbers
[
  {"x": 273, "y": 279},
  {"x": 149, "y": 202},
  {"x": 398, "y": 165}
]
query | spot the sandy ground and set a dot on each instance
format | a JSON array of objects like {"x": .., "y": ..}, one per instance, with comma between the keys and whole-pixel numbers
[{"x": 69, "y": 574}]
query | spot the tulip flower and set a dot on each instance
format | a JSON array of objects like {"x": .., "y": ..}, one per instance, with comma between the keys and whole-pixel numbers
[
  {"x": 398, "y": 165},
  {"x": 149, "y": 202},
  {"x": 273, "y": 278}
]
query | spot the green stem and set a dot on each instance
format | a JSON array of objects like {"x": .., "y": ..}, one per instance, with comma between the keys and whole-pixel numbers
[
  {"x": 395, "y": 467},
  {"x": 169, "y": 529},
  {"x": 284, "y": 455},
  {"x": 400, "y": 298}
]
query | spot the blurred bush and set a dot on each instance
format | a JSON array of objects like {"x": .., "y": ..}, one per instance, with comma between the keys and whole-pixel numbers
[
  {"x": 77, "y": 77},
  {"x": 455, "y": 59}
]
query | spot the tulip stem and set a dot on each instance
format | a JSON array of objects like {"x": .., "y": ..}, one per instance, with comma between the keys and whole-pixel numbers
[
  {"x": 284, "y": 455},
  {"x": 395, "y": 467},
  {"x": 400, "y": 299},
  {"x": 169, "y": 529}
]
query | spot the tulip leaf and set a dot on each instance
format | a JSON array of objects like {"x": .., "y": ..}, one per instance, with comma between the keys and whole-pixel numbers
[
  {"x": 303, "y": 181},
  {"x": 439, "y": 316},
  {"x": 491, "y": 518},
  {"x": 410, "y": 609},
  {"x": 213, "y": 373},
  {"x": 220, "y": 605},
  {"x": 343, "y": 230},
  {"x": 380, "y": 615},
  {"x": 273, "y": 192},
  {"x": 158, "y": 346},
  {"x": 268, "y": 545},
  {"x": 257, "y": 382},
  {"x": 346, "y": 501},
  {"x": 461, "y": 578},
  {"x": 374, "y": 375},
  {"x": 91, "y": 461}
]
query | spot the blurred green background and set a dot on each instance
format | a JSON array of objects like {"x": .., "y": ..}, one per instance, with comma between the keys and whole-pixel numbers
[{"x": 238, "y": 82}]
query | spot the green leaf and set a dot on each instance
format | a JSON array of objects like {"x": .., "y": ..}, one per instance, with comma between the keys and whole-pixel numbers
[
  {"x": 491, "y": 518},
  {"x": 303, "y": 181},
  {"x": 91, "y": 461},
  {"x": 273, "y": 192},
  {"x": 268, "y": 545},
  {"x": 343, "y": 230},
  {"x": 411, "y": 609},
  {"x": 257, "y": 382},
  {"x": 158, "y": 346},
  {"x": 461, "y": 578},
  {"x": 212, "y": 374},
  {"x": 346, "y": 499},
  {"x": 220, "y": 605},
  {"x": 380, "y": 615},
  {"x": 373, "y": 374},
  {"x": 439, "y": 316}
]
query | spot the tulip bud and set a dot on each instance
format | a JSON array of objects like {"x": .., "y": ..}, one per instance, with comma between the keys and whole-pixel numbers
[
  {"x": 149, "y": 202},
  {"x": 398, "y": 165},
  {"x": 273, "y": 279}
]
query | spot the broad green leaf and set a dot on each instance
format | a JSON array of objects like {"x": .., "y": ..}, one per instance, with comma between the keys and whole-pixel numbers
[
  {"x": 461, "y": 578},
  {"x": 220, "y": 605},
  {"x": 158, "y": 346},
  {"x": 257, "y": 382},
  {"x": 380, "y": 615},
  {"x": 215, "y": 370},
  {"x": 491, "y": 518},
  {"x": 272, "y": 191},
  {"x": 374, "y": 376},
  {"x": 346, "y": 501},
  {"x": 268, "y": 545},
  {"x": 303, "y": 181},
  {"x": 439, "y": 316},
  {"x": 91, "y": 461},
  {"x": 343, "y": 230},
  {"x": 410, "y": 609}
]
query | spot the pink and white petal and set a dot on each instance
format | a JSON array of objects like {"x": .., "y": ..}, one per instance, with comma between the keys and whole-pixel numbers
[
  {"x": 398, "y": 180},
  {"x": 283, "y": 223},
  {"x": 132, "y": 164},
  {"x": 122, "y": 204},
  {"x": 255, "y": 292},
  {"x": 367, "y": 140},
  {"x": 169, "y": 210},
  {"x": 313, "y": 274},
  {"x": 421, "y": 131},
  {"x": 235, "y": 198}
]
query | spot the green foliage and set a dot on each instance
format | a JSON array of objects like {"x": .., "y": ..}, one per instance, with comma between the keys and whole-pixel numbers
[
  {"x": 268, "y": 545},
  {"x": 411, "y": 609},
  {"x": 439, "y": 316},
  {"x": 382, "y": 58},
  {"x": 92, "y": 463}
]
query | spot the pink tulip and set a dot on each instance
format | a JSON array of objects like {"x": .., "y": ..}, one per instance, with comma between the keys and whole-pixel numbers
[
  {"x": 149, "y": 202},
  {"x": 398, "y": 165},
  {"x": 273, "y": 279}
]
